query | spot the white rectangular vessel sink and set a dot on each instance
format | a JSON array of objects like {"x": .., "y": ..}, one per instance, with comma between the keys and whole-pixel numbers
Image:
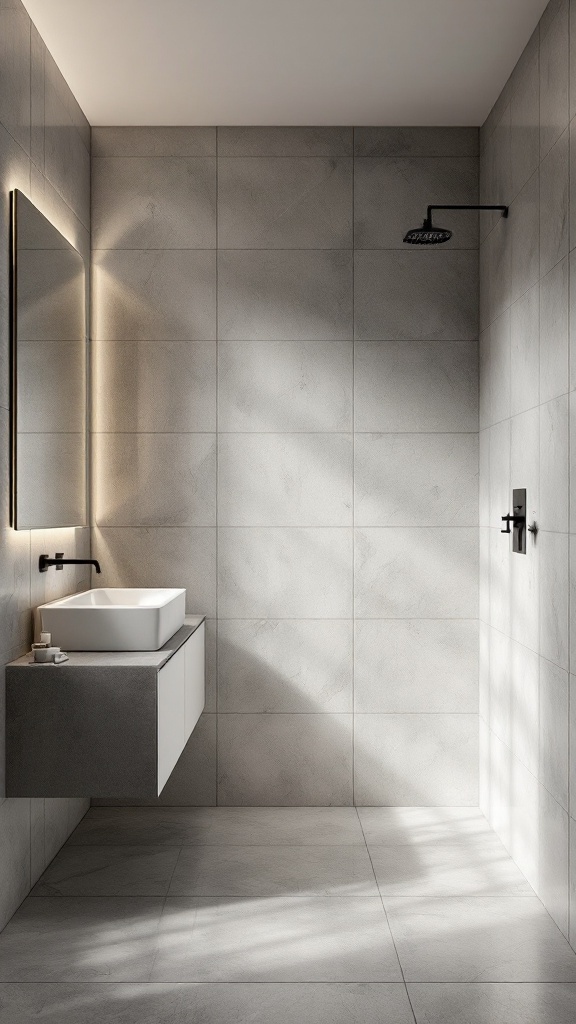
[{"x": 110, "y": 619}]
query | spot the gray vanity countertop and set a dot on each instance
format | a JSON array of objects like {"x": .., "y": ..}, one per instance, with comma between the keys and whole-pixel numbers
[{"x": 115, "y": 659}]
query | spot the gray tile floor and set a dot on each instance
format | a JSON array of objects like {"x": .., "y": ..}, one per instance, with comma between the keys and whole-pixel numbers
[{"x": 293, "y": 915}]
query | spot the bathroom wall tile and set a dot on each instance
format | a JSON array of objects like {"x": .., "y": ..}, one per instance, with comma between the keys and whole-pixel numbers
[
  {"x": 49, "y": 201},
  {"x": 495, "y": 272},
  {"x": 418, "y": 386},
  {"x": 484, "y": 574},
  {"x": 524, "y": 217},
  {"x": 416, "y": 480},
  {"x": 572, "y": 171},
  {"x": 500, "y": 383},
  {"x": 484, "y": 768},
  {"x": 279, "y": 760},
  {"x": 61, "y": 817},
  {"x": 160, "y": 557},
  {"x": 14, "y": 855},
  {"x": 154, "y": 203},
  {"x": 416, "y": 760},
  {"x": 153, "y": 141},
  {"x": 66, "y": 156},
  {"x": 154, "y": 386},
  {"x": 554, "y": 731},
  {"x": 554, "y": 78},
  {"x": 49, "y": 586},
  {"x": 501, "y": 791},
  {"x": 554, "y": 597},
  {"x": 500, "y": 718},
  {"x": 554, "y": 217},
  {"x": 154, "y": 295},
  {"x": 572, "y": 321},
  {"x": 287, "y": 386},
  {"x": 15, "y": 618},
  {"x": 484, "y": 379},
  {"x": 416, "y": 573},
  {"x": 483, "y": 669},
  {"x": 415, "y": 665},
  {"x": 500, "y": 580},
  {"x": 525, "y": 706},
  {"x": 522, "y": 838},
  {"x": 176, "y": 479},
  {"x": 442, "y": 286},
  {"x": 496, "y": 171},
  {"x": 554, "y": 465},
  {"x": 415, "y": 141},
  {"x": 572, "y": 60},
  {"x": 285, "y": 573},
  {"x": 553, "y": 871},
  {"x": 554, "y": 378},
  {"x": 284, "y": 141},
  {"x": 572, "y": 907},
  {"x": 484, "y": 477},
  {"x": 525, "y": 351},
  {"x": 525, "y": 121},
  {"x": 572, "y": 741},
  {"x": 15, "y": 82},
  {"x": 500, "y": 495},
  {"x": 284, "y": 296},
  {"x": 410, "y": 184},
  {"x": 37, "y": 74},
  {"x": 285, "y": 479},
  {"x": 284, "y": 203},
  {"x": 285, "y": 665}
]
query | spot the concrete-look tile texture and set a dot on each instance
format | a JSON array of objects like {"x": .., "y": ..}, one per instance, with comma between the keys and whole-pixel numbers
[
  {"x": 285, "y": 913},
  {"x": 286, "y": 418},
  {"x": 44, "y": 152},
  {"x": 527, "y": 375}
]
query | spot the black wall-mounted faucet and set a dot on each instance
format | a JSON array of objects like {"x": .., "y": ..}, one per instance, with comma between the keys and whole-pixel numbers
[{"x": 59, "y": 561}]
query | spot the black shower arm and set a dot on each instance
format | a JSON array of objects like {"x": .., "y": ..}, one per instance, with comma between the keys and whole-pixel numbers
[{"x": 503, "y": 209}]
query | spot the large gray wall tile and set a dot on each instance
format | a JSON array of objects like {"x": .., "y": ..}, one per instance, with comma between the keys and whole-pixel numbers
[
  {"x": 416, "y": 760},
  {"x": 154, "y": 203},
  {"x": 285, "y": 665},
  {"x": 525, "y": 122},
  {"x": 284, "y": 296},
  {"x": 280, "y": 760},
  {"x": 150, "y": 295},
  {"x": 416, "y": 386},
  {"x": 284, "y": 141},
  {"x": 66, "y": 154},
  {"x": 149, "y": 386},
  {"x": 284, "y": 203},
  {"x": 554, "y": 203},
  {"x": 410, "y": 184},
  {"x": 554, "y": 78},
  {"x": 443, "y": 295},
  {"x": 554, "y": 343},
  {"x": 293, "y": 386},
  {"x": 525, "y": 351},
  {"x": 425, "y": 141},
  {"x": 416, "y": 573},
  {"x": 285, "y": 573},
  {"x": 15, "y": 80},
  {"x": 285, "y": 479},
  {"x": 416, "y": 480},
  {"x": 139, "y": 141},
  {"x": 415, "y": 665},
  {"x": 176, "y": 479},
  {"x": 524, "y": 217}
]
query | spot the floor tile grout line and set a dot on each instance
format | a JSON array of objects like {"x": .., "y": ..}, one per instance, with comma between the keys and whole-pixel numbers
[{"x": 388, "y": 922}]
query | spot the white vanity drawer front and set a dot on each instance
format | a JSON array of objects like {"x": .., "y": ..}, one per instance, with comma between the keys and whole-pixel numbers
[
  {"x": 171, "y": 714},
  {"x": 194, "y": 688}
]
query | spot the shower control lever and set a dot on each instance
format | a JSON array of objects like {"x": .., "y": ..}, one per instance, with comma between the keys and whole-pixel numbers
[{"x": 518, "y": 521}]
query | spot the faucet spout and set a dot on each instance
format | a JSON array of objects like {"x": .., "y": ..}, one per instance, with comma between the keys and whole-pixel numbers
[{"x": 59, "y": 561}]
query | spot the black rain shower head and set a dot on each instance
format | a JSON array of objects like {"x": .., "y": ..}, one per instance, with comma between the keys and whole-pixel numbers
[
  {"x": 430, "y": 235},
  {"x": 427, "y": 234}
]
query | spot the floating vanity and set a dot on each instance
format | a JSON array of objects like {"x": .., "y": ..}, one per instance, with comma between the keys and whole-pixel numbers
[{"x": 105, "y": 723}]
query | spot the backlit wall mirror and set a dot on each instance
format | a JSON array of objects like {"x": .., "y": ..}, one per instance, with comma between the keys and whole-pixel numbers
[{"x": 49, "y": 358}]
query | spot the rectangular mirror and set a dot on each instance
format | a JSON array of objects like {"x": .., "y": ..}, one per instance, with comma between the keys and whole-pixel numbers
[{"x": 49, "y": 359}]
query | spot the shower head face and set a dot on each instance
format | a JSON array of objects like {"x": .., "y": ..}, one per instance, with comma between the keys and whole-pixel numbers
[{"x": 427, "y": 235}]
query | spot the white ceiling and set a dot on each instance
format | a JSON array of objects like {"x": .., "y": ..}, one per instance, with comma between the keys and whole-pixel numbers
[{"x": 315, "y": 62}]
